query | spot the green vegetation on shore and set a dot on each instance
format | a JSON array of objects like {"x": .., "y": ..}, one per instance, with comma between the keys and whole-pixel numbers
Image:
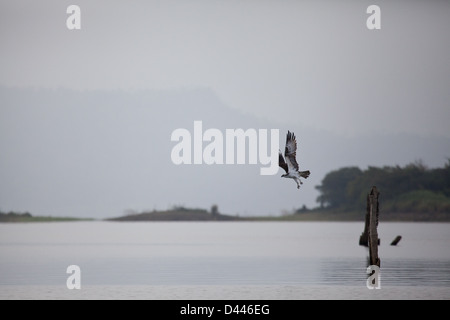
[
  {"x": 27, "y": 217},
  {"x": 178, "y": 214},
  {"x": 413, "y": 192}
]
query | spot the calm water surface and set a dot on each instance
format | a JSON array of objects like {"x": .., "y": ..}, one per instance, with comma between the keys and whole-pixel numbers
[{"x": 221, "y": 260}]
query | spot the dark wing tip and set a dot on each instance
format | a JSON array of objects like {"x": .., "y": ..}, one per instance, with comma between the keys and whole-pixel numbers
[
  {"x": 290, "y": 136},
  {"x": 282, "y": 163}
]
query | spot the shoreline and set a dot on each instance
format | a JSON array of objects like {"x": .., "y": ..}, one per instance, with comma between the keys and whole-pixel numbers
[{"x": 203, "y": 215}]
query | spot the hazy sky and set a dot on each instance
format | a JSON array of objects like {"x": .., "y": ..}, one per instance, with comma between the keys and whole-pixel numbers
[
  {"x": 313, "y": 61},
  {"x": 308, "y": 66}
]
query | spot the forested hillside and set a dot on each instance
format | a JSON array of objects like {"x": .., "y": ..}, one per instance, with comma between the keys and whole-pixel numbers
[{"x": 410, "y": 189}]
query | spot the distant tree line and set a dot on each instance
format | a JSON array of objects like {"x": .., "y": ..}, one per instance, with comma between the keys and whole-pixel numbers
[
  {"x": 413, "y": 188},
  {"x": 12, "y": 216}
]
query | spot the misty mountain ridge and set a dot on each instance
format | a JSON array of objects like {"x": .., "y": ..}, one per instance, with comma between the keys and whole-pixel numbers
[{"x": 99, "y": 153}]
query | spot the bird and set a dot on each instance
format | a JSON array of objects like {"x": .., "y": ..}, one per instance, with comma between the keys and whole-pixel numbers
[{"x": 289, "y": 163}]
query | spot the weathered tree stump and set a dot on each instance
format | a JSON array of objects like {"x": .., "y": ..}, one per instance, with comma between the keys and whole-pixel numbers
[
  {"x": 364, "y": 238},
  {"x": 374, "y": 241}
]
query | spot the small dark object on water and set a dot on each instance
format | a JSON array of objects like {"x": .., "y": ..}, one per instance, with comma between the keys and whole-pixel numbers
[{"x": 396, "y": 240}]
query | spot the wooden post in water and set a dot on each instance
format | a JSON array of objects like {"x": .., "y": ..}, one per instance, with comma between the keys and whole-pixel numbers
[{"x": 373, "y": 224}]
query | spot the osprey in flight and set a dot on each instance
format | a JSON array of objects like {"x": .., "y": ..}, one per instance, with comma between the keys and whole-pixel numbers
[{"x": 290, "y": 165}]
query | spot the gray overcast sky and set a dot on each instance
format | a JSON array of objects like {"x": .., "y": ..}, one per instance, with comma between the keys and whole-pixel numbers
[
  {"x": 308, "y": 66},
  {"x": 313, "y": 61}
]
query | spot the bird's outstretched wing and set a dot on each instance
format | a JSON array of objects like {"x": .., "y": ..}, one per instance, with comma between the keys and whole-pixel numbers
[
  {"x": 291, "y": 151},
  {"x": 282, "y": 163}
]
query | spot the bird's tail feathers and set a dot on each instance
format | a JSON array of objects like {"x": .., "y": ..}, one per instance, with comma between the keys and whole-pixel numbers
[{"x": 304, "y": 174}]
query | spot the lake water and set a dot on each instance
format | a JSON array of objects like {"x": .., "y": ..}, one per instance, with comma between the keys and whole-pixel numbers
[{"x": 221, "y": 260}]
